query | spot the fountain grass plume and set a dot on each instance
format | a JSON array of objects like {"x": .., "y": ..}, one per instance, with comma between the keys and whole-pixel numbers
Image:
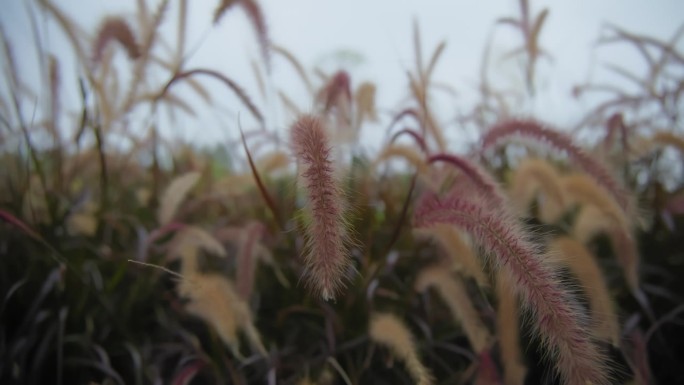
[
  {"x": 573, "y": 254},
  {"x": 388, "y": 330},
  {"x": 605, "y": 216},
  {"x": 174, "y": 195},
  {"x": 417, "y": 137},
  {"x": 453, "y": 292},
  {"x": 213, "y": 298},
  {"x": 534, "y": 177},
  {"x": 228, "y": 82},
  {"x": 558, "y": 319},
  {"x": 556, "y": 140},
  {"x": 326, "y": 256},
  {"x": 257, "y": 19},
  {"x": 581, "y": 189},
  {"x": 415, "y": 158},
  {"x": 485, "y": 186},
  {"x": 508, "y": 329},
  {"x": 461, "y": 256},
  {"x": 338, "y": 86}
]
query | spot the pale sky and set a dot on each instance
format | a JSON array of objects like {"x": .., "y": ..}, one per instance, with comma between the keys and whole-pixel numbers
[{"x": 379, "y": 34}]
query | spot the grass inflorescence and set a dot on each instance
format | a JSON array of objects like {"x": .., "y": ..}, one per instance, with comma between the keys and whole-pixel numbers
[{"x": 298, "y": 255}]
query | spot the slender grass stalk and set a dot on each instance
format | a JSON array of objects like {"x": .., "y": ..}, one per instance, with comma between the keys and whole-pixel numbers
[
  {"x": 104, "y": 172},
  {"x": 260, "y": 184},
  {"x": 415, "y": 158},
  {"x": 580, "y": 188}
]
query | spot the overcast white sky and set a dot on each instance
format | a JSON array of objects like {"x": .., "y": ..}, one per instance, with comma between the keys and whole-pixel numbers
[{"x": 380, "y": 34}]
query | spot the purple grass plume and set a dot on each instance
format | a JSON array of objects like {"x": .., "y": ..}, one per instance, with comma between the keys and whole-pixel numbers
[
  {"x": 557, "y": 317},
  {"x": 115, "y": 29},
  {"x": 326, "y": 257},
  {"x": 558, "y": 141}
]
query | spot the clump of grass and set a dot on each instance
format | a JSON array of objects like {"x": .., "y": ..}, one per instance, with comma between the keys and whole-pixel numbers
[{"x": 76, "y": 215}]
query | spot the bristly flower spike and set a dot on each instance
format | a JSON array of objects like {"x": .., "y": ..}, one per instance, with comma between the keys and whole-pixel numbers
[
  {"x": 558, "y": 318},
  {"x": 388, "y": 330},
  {"x": 256, "y": 17},
  {"x": 538, "y": 132},
  {"x": 326, "y": 256},
  {"x": 484, "y": 184},
  {"x": 115, "y": 29}
]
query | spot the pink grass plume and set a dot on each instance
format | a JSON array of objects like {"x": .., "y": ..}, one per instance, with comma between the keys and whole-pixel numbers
[
  {"x": 326, "y": 256},
  {"x": 531, "y": 129},
  {"x": 557, "y": 317}
]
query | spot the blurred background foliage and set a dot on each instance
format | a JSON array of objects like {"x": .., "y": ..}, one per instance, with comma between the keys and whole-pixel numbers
[{"x": 88, "y": 190}]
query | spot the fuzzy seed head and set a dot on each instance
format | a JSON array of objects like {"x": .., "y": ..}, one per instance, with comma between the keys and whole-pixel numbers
[
  {"x": 558, "y": 318},
  {"x": 388, "y": 330},
  {"x": 508, "y": 328},
  {"x": 573, "y": 254},
  {"x": 115, "y": 29},
  {"x": 454, "y": 294},
  {"x": 326, "y": 258},
  {"x": 558, "y": 141},
  {"x": 534, "y": 177},
  {"x": 214, "y": 299},
  {"x": 174, "y": 195}
]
